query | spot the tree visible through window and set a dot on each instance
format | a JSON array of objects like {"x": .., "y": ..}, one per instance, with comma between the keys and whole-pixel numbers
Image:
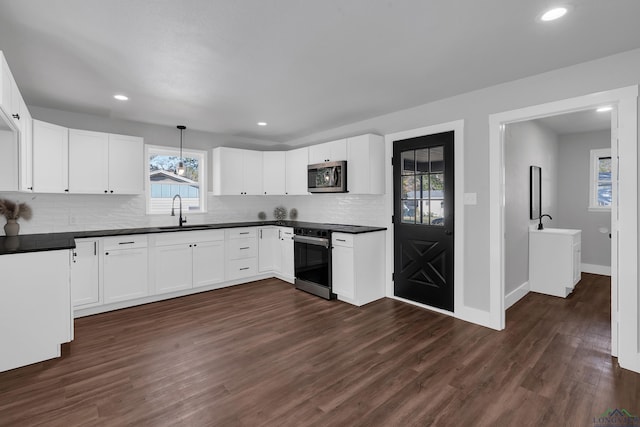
[
  {"x": 601, "y": 183},
  {"x": 164, "y": 183}
]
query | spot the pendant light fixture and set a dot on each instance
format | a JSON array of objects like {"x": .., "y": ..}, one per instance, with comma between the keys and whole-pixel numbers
[{"x": 181, "y": 169}]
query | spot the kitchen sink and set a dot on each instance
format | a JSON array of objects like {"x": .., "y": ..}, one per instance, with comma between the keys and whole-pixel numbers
[{"x": 185, "y": 227}]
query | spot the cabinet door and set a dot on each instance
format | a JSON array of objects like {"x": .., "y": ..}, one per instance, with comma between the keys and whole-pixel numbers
[
  {"x": 85, "y": 273},
  {"x": 577, "y": 262},
  {"x": 337, "y": 150},
  {"x": 228, "y": 172},
  {"x": 26, "y": 151},
  {"x": 296, "y": 171},
  {"x": 88, "y": 162},
  {"x": 319, "y": 153},
  {"x": 125, "y": 274},
  {"x": 126, "y": 164},
  {"x": 365, "y": 164},
  {"x": 173, "y": 268},
  {"x": 268, "y": 253},
  {"x": 287, "y": 254},
  {"x": 252, "y": 172},
  {"x": 273, "y": 172},
  {"x": 50, "y": 158},
  {"x": 7, "y": 83},
  {"x": 208, "y": 263},
  {"x": 342, "y": 274}
]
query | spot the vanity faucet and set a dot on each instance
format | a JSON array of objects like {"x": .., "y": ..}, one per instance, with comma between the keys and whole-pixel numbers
[{"x": 540, "y": 226}]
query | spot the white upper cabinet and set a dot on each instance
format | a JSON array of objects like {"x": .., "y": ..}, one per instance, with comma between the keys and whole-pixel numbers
[
  {"x": 274, "y": 172},
  {"x": 332, "y": 151},
  {"x": 126, "y": 164},
  {"x": 26, "y": 150},
  {"x": 237, "y": 172},
  {"x": 50, "y": 158},
  {"x": 101, "y": 163},
  {"x": 296, "y": 171},
  {"x": 365, "y": 164},
  {"x": 88, "y": 168}
]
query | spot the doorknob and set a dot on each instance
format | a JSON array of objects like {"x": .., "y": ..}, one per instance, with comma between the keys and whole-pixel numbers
[{"x": 448, "y": 232}]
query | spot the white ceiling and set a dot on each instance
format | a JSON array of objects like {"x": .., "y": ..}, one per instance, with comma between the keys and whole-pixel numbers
[
  {"x": 302, "y": 66},
  {"x": 578, "y": 122}
]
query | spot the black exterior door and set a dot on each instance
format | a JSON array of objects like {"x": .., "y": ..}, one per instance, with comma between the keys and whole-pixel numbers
[{"x": 423, "y": 219}]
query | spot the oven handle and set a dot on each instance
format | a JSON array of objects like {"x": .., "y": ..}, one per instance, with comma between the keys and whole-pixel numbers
[{"x": 318, "y": 241}]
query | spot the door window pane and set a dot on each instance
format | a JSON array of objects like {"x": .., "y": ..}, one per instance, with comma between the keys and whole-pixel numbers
[
  {"x": 408, "y": 187},
  {"x": 422, "y": 192},
  {"x": 408, "y": 162},
  {"x": 437, "y": 159},
  {"x": 422, "y": 160},
  {"x": 409, "y": 211}
]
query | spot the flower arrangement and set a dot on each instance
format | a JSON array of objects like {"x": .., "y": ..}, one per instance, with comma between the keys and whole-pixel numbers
[{"x": 13, "y": 210}]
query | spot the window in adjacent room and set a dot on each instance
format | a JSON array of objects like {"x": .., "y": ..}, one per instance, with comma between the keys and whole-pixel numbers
[
  {"x": 163, "y": 183},
  {"x": 601, "y": 186}
]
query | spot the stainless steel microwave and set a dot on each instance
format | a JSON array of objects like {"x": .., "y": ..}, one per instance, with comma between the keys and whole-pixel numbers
[{"x": 329, "y": 177}]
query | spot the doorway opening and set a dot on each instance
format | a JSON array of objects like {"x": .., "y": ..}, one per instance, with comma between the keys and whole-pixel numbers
[{"x": 624, "y": 212}]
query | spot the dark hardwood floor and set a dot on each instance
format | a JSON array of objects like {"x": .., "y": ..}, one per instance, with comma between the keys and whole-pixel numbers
[{"x": 267, "y": 354}]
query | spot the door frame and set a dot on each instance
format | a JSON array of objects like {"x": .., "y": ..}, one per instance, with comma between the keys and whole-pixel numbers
[
  {"x": 460, "y": 310},
  {"x": 624, "y": 289}
]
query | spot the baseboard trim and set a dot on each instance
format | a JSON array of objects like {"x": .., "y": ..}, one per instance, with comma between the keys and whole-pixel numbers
[
  {"x": 595, "y": 269},
  {"x": 516, "y": 295}
]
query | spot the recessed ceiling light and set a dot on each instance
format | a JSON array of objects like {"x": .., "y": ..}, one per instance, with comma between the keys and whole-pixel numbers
[
  {"x": 121, "y": 97},
  {"x": 604, "y": 109},
  {"x": 553, "y": 14},
  {"x": 262, "y": 123}
]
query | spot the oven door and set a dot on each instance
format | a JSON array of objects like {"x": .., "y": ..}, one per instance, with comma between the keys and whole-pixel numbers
[{"x": 312, "y": 265}]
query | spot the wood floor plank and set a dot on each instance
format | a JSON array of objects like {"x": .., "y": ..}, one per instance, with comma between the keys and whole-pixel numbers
[{"x": 267, "y": 354}]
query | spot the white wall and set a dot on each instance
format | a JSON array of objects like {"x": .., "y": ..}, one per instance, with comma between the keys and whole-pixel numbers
[
  {"x": 573, "y": 195},
  {"x": 474, "y": 108},
  {"x": 526, "y": 144}
]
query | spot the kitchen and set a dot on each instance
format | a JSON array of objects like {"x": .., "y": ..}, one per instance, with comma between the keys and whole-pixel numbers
[{"x": 62, "y": 213}]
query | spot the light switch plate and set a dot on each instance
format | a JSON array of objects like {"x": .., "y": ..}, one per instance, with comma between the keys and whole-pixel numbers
[{"x": 470, "y": 198}]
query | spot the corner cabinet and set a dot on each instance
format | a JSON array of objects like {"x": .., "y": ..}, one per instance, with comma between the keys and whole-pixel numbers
[
  {"x": 358, "y": 264},
  {"x": 296, "y": 162},
  {"x": 554, "y": 260},
  {"x": 101, "y": 163},
  {"x": 236, "y": 172}
]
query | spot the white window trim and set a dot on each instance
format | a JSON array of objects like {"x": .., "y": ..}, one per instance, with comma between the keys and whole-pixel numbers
[
  {"x": 595, "y": 155},
  {"x": 172, "y": 151}
]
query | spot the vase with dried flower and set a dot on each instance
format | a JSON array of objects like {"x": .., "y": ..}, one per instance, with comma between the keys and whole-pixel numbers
[{"x": 13, "y": 211}]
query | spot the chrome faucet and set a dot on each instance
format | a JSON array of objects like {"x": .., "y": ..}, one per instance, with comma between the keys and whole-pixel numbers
[
  {"x": 181, "y": 220},
  {"x": 540, "y": 226}
]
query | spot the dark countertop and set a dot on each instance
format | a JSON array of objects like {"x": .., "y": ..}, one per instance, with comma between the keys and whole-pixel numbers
[{"x": 57, "y": 241}]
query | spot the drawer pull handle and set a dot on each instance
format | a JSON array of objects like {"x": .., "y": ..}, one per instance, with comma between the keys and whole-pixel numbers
[
  {"x": 244, "y": 232},
  {"x": 126, "y": 243},
  {"x": 341, "y": 240},
  {"x": 245, "y": 248},
  {"x": 244, "y": 268}
]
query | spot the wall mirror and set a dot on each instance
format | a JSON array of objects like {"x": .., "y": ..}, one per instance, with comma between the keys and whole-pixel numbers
[{"x": 535, "y": 192}]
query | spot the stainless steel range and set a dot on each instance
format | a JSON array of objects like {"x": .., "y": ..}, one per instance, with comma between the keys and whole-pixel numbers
[{"x": 312, "y": 261}]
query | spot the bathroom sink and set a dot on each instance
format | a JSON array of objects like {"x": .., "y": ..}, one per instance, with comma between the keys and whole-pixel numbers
[{"x": 567, "y": 231}]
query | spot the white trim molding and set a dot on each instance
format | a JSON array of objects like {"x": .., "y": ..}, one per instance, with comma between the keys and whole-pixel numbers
[
  {"x": 604, "y": 270},
  {"x": 516, "y": 295}
]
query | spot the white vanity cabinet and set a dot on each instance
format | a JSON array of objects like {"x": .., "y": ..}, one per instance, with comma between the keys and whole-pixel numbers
[
  {"x": 125, "y": 268},
  {"x": 357, "y": 262},
  {"x": 185, "y": 260},
  {"x": 35, "y": 307},
  {"x": 554, "y": 260},
  {"x": 85, "y": 273},
  {"x": 242, "y": 252}
]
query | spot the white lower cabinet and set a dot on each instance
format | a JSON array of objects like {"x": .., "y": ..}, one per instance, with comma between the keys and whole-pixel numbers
[
  {"x": 125, "y": 268},
  {"x": 357, "y": 262},
  {"x": 242, "y": 253},
  {"x": 35, "y": 307},
  {"x": 85, "y": 273},
  {"x": 286, "y": 269},
  {"x": 275, "y": 249},
  {"x": 185, "y": 260}
]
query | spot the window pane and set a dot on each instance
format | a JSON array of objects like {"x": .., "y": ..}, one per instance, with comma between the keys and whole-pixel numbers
[
  {"x": 604, "y": 194},
  {"x": 408, "y": 187},
  {"x": 408, "y": 162},
  {"x": 424, "y": 180},
  {"x": 409, "y": 211},
  {"x": 422, "y": 160},
  {"x": 437, "y": 159}
]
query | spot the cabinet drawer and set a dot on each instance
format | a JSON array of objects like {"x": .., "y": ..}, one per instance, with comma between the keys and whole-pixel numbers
[
  {"x": 239, "y": 268},
  {"x": 241, "y": 233},
  {"x": 125, "y": 242},
  {"x": 241, "y": 248},
  {"x": 342, "y": 239}
]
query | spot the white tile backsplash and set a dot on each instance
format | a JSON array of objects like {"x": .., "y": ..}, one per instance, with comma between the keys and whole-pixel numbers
[{"x": 72, "y": 212}]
